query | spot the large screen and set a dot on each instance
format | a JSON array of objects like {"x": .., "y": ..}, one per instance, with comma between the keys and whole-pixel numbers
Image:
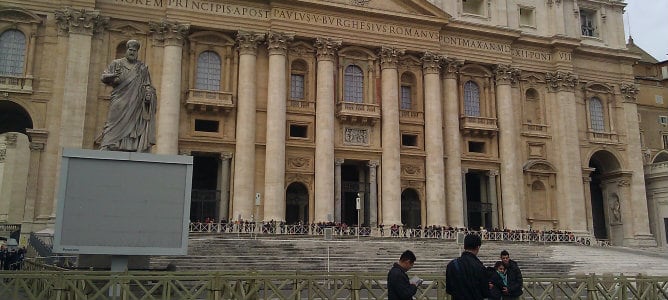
[{"x": 123, "y": 203}]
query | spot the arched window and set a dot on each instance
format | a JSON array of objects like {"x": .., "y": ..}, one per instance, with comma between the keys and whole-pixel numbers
[
  {"x": 12, "y": 52},
  {"x": 353, "y": 84},
  {"x": 596, "y": 114},
  {"x": 471, "y": 99},
  {"x": 407, "y": 83},
  {"x": 297, "y": 80},
  {"x": 208, "y": 71}
]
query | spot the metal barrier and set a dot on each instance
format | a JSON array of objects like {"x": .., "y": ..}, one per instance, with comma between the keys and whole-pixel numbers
[{"x": 72, "y": 285}]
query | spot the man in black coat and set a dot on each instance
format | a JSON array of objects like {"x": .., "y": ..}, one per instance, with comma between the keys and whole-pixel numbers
[
  {"x": 398, "y": 285},
  {"x": 466, "y": 278},
  {"x": 515, "y": 281}
]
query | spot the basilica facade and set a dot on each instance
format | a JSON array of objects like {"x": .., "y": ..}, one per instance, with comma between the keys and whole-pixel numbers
[{"x": 509, "y": 114}]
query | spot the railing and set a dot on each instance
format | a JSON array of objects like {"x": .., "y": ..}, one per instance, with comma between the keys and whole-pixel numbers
[
  {"x": 411, "y": 116},
  {"x": 397, "y": 232},
  {"x": 209, "y": 100},
  {"x": 478, "y": 125},
  {"x": 16, "y": 84},
  {"x": 297, "y": 285},
  {"x": 358, "y": 112},
  {"x": 10, "y": 227},
  {"x": 535, "y": 128},
  {"x": 301, "y": 105},
  {"x": 604, "y": 137}
]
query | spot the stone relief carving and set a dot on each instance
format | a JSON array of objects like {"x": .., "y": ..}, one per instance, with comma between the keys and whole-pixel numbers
[
  {"x": 356, "y": 136},
  {"x": 300, "y": 162},
  {"x": 80, "y": 21},
  {"x": 278, "y": 42},
  {"x": 615, "y": 209},
  {"x": 169, "y": 32},
  {"x": 412, "y": 170},
  {"x": 389, "y": 56},
  {"x": 247, "y": 41},
  {"x": 294, "y": 177},
  {"x": 558, "y": 81},
  {"x": 629, "y": 91},
  {"x": 431, "y": 62},
  {"x": 10, "y": 139},
  {"x": 505, "y": 74},
  {"x": 326, "y": 47}
]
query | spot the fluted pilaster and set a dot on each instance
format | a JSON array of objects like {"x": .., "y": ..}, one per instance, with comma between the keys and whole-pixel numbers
[{"x": 453, "y": 145}]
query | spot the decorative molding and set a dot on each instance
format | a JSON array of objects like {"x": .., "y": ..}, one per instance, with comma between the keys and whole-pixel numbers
[
  {"x": 373, "y": 163},
  {"x": 360, "y": 2},
  {"x": 80, "y": 21},
  {"x": 629, "y": 92},
  {"x": 226, "y": 156},
  {"x": 3, "y": 155},
  {"x": 561, "y": 81},
  {"x": 623, "y": 183},
  {"x": 356, "y": 136},
  {"x": 326, "y": 48},
  {"x": 451, "y": 67},
  {"x": 411, "y": 170},
  {"x": 10, "y": 139},
  {"x": 300, "y": 162},
  {"x": 247, "y": 42},
  {"x": 389, "y": 57},
  {"x": 168, "y": 32},
  {"x": 431, "y": 62},
  {"x": 493, "y": 173},
  {"x": 505, "y": 74},
  {"x": 184, "y": 152},
  {"x": 339, "y": 161},
  {"x": 299, "y": 177},
  {"x": 35, "y": 146},
  {"x": 277, "y": 42}
]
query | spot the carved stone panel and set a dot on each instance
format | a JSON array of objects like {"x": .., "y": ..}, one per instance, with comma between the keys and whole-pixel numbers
[
  {"x": 298, "y": 162},
  {"x": 356, "y": 136}
]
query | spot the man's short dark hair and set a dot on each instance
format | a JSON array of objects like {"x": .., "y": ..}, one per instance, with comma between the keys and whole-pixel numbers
[
  {"x": 505, "y": 253},
  {"x": 472, "y": 241},
  {"x": 408, "y": 255}
]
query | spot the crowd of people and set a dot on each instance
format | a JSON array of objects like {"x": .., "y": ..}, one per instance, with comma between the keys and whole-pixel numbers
[
  {"x": 12, "y": 259},
  {"x": 466, "y": 278}
]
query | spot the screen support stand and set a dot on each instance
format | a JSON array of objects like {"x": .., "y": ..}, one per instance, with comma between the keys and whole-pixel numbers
[{"x": 119, "y": 263}]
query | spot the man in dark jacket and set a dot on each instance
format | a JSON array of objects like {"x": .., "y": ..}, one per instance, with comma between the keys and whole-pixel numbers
[
  {"x": 466, "y": 278},
  {"x": 515, "y": 281},
  {"x": 398, "y": 285}
]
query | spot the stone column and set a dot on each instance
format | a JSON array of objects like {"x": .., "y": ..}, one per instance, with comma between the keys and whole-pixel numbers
[
  {"x": 586, "y": 187},
  {"x": 274, "y": 172},
  {"x": 508, "y": 142},
  {"x": 433, "y": 128},
  {"x": 171, "y": 35},
  {"x": 391, "y": 160},
  {"x": 337, "y": 189},
  {"x": 244, "y": 162},
  {"x": 373, "y": 193},
  {"x": 453, "y": 146},
  {"x": 638, "y": 204},
  {"x": 324, "y": 130},
  {"x": 492, "y": 197},
  {"x": 224, "y": 186},
  {"x": 561, "y": 86},
  {"x": 465, "y": 208},
  {"x": 79, "y": 25}
]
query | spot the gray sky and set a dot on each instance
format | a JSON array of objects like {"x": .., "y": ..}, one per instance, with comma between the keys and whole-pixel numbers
[{"x": 648, "y": 20}]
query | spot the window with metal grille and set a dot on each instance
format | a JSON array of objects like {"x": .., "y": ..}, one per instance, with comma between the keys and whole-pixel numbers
[
  {"x": 406, "y": 101},
  {"x": 208, "y": 71},
  {"x": 12, "y": 52},
  {"x": 297, "y": 86},
  {"x": 596, "y": 114},
  {"x": 471, "y": 99},
  {"x": 353, "y": 84}
]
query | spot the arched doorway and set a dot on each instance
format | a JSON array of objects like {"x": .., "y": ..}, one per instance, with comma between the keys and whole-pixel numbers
[
  {"x": 296, "y": 203},
  {"x": 603, "y": 188},
  {"x": 410, "y": 208},
  {"x": 14, "y": 118}
]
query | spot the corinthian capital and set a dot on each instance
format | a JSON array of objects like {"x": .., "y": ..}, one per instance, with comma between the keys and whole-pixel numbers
[
  {"x": 389, "y": 57},
  {"x": 629, "y": 91},
  {"x": 277, "y": 42},
  {"x": 505, "y": 74},
  {"x": 451, "y": 66},
  {"x": 247, "y": 42},
  {"x": 431, "y": 62},
  {"x": 561, "y": 81},
  {"x": 170, "y": 33},
  {"x": 326, "y": 48},
  {"x": 80, "y": 21}
]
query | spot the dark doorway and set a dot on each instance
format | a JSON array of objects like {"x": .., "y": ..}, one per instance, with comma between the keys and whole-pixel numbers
[
  {"x": 296, "y": 204},
  {"x": 597, "y": 205},
  {"x": 205, "y": 196},
  {"x": 479, "y": 211},
  {"x": 354, "y": 184},
  {"x": 411, "y": 213},
  {"x": 13, "y": 118}
]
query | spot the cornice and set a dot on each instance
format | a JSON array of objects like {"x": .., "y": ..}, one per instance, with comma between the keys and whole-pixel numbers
[{"x": 483, "y": 30}]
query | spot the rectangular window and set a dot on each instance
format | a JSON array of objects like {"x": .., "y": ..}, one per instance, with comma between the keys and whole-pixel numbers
[
  {"x": 297, "y": 87},
  {"x": 664, "y": 138},
  {"x": 206, "y": 125},
  {"x": 663, "y": 120},
  {"x": 658, "y": 99},
  {"x": 409, "y": 140},
  {"x": 406, "y": 102},
  {"x": 527, "y": 17},
  {"x": 474, "y": 7},
  {"x": 298, "y": 131},
  {"x": 588, "y": 23},
  {"x": 477, "y": 147}
]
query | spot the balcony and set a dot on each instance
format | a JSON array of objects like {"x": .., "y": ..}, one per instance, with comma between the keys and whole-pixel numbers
[
  {"x": 478, "y": 126},
  {"x": 358, "y": 113},
  {"x": 600, "y": 137},
  {"x": 535, "y": 130},
  {"x": 410, "y": 116},
  {"x": 209, "y": 101},
  {"x": 16, "y": 84},
  {"x": 301, "y": 106}
]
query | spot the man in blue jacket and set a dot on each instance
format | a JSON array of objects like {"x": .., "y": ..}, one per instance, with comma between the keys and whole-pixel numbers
[
  {"x": 466, "y": 278},
  {"x": 398, "y": 285}
]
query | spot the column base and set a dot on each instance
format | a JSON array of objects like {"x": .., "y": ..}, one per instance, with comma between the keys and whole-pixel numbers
[{"x": 641, "y": 240}]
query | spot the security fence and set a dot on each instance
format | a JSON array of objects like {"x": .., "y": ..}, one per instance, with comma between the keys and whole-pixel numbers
[{"x": 72, "y": 285}]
